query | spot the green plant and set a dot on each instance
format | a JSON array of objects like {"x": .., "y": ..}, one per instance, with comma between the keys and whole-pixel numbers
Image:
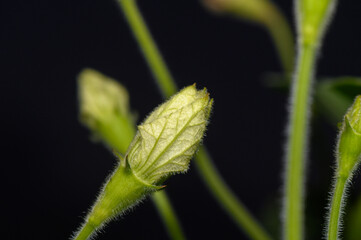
[
  {"x": 143, "y": 168},
  {"x": 312, "y": 19},
  {"x": 162, "y": 146},
  {"x": 348, "y": 155}
]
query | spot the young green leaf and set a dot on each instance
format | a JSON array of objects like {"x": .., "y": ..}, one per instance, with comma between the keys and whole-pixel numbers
[
  {"x": 164, "y": 144},
  {"x": 169, "y": 137}
]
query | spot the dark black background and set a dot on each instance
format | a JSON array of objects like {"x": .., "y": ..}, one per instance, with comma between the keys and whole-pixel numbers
[{"x": 53, "y": 172}]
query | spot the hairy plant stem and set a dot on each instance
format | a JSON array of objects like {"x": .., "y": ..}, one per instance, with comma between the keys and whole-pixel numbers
[
  {"x": 85, "y": 232},
  {"x": 166, "y": 83},
  {"x": 297, "y": 144},
  {"x": 336, "y": 208},
  {"x": 120, "y": 139},
  {"x": 122, "y": 191}
]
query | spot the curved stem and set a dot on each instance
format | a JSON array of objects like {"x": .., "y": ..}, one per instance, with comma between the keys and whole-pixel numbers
[
  {"x": 336, "y": 208},
  {"x": 167, "y": 85},
  {"x": 283, "y": 39},
  {"x": 149, "y": 48},
  {"x": 297, "y": 145},
  {"x": 236, "y": 210},
  {"x": 168, "y": 215},
  {"x": 267, "y": 14}
]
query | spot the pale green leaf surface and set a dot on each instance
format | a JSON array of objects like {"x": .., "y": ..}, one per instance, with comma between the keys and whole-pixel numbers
[{"x": 169, "y": 137}]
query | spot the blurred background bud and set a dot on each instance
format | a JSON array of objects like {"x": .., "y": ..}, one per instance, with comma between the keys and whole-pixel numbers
[{"x": 104, "y": 109}]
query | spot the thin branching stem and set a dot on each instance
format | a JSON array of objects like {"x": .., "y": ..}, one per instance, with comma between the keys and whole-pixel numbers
[
  {"x": 283, "y": 39},
  {"x": 236, "y": 210},
  {"x": 149, "y": 48},
  {"x": 169, "y": 217}
]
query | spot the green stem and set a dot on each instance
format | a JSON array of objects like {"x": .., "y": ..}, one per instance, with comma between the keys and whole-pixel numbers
[
  {"x": 168, "y": 215},
  {"x": 336, "y": 205},
  {"x": 168, "y": 87},
  {"x": 297, "y": 145},
  {"x": 149, "y": 48},
  {"x": 120, "y": 192},
  {"x": 227, "y": 199},
  {"x": 85, "y": 232}
]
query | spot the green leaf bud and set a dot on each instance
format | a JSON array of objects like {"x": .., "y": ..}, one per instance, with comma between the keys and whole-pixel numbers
[
  {"x": 164, "y": 144},
  {"x": 100, "y": 96},
  {"x": 104, "y": 109},
  {"x": 349, "y": 145},
  {"x": 168, "y": 138}
]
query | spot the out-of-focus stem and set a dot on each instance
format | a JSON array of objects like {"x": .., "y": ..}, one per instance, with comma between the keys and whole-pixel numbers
[
  {"x": 149, "y": 48},
  {"x": 236, "y": 210},
  {"x": 169, "y": 217},
  {"x": 283, "y": 39},
  {"x": 267, "y": 14}
]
